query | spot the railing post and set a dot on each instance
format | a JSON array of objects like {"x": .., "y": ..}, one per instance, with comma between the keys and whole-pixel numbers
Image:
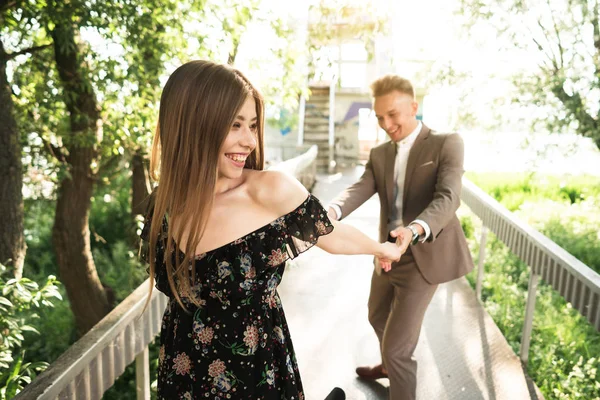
[
  {"x": 480, "y": 264},
  {"x": 529, "y": 310},
  {"x": 301, "y": 116},
  {"x": 142, "y": 375},
  {"x": 331, "y": 161}
]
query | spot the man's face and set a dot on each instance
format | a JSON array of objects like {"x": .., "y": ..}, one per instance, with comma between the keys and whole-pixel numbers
[{"x": 396, "y": 114}]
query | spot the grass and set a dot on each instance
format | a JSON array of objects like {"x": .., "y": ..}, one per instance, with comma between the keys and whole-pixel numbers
[{"x": 565, "y": 348}]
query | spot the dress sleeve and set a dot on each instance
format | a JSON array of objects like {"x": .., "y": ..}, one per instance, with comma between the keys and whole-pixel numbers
[
  {"x": 304, "y": 225},
  {"x": 145, "y": 240},
  {"x": 161, "y": 243}
]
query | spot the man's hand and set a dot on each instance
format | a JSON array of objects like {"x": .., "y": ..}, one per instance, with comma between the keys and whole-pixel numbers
[
  {"x": 403, "y": 237},
  {"x": 389, "y": 253}
]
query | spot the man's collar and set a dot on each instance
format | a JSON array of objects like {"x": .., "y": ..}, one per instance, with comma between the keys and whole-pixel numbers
[{"x": 410, "y": 139}]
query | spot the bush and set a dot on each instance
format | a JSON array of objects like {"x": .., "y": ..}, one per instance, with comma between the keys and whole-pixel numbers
[
  {"x": 119, "y": 269},
  {"x": 563, "y": 357},
  {"x": 514, "y": 189},
  {"x": 57, "y": 325},
  {"x": 19, "y": 300},
  {"x": 573, "y": 227},
  {"x": 39, "y": 218}
]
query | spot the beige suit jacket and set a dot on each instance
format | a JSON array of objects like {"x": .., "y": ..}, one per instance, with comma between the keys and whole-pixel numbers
[{"x": 432, "y": 188}]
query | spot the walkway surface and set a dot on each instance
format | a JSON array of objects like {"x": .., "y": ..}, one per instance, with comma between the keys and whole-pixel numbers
[{"x": 461, "y": 352}]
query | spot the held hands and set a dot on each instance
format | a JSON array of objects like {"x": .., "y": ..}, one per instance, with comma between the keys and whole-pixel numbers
[
  {"x": 389, "y": 253},
  {"x": 403, "y": 237}
]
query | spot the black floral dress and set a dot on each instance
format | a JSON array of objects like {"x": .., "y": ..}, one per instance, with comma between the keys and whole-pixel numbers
[{"x": 236, "y": 345}]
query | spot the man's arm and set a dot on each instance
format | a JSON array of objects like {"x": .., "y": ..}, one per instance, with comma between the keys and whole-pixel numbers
[
  {"x": 446, "y": 197},
  {"x": 355, "y": 195}
]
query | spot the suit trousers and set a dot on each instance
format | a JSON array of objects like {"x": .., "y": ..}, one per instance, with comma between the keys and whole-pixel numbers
[{"x": 397, "y": 304}]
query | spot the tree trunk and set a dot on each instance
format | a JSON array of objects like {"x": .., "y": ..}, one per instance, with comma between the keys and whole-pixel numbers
[
  {"x": 71, "y": 234},
  {"x": 140, "y": 185},
  {"x": 12, "y": 239}
]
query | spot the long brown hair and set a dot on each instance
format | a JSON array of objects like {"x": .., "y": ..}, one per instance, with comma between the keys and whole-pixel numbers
[{"x": 198, "y": 106}]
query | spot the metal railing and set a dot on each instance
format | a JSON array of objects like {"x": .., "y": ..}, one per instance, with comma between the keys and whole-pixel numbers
[
  {"x": 92, "y": 365},
  {"x": 276, "y": 153},
  {"x": 303, "y": 167},
  {"x": 331, "y": 128},
  {"x": 572, "y": 279}
]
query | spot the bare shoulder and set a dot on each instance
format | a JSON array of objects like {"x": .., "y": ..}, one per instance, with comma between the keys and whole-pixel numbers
[{"x": 276, "y": 191}]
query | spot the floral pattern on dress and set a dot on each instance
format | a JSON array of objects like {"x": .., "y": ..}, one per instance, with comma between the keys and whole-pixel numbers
[{"x": 236, "y": 344}]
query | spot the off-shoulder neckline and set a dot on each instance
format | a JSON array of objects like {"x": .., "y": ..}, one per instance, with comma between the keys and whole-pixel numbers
[{"x": 254, "y": 232}]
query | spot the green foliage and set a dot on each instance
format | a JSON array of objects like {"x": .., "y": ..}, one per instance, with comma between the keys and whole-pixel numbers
[
  {"x": 563, "y": 358},
  {"x": 115, "y": 239},
  {"x": 57, "y": 325},
  {"x": 110, "y": 214},
  {"x": 467, "y": 225},
  {"x": 574, "y": 227},
  {"x": 578, "y": 237},
  {"x": 112, "y": 230},
  {"x": 562, "y": 39},
  {"x": 120, "y": 269},
  {"x": 514, "y": 189},
  {"x": 19, "y": 301},
  {"x": 563, "y": 208},
  {"x": 40, "y": 261}
]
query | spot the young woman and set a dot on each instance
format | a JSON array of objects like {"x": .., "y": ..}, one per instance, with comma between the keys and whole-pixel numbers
[{"x": 219, "y": 234}]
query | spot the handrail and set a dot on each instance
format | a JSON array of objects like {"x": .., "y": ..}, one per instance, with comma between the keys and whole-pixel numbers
[
  {"x": 91, "y": 366},
  {"x": 297, "y": 164},
  {"x": 573, "y": 280}
]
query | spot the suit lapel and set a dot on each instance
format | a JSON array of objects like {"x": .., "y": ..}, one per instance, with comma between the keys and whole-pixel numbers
[
  {"x": 388, "y": 171},
  {"x": 413, "y": 156}
]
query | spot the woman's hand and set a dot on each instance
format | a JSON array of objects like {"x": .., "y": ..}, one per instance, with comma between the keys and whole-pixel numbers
[{"x": 388, "y": 253}]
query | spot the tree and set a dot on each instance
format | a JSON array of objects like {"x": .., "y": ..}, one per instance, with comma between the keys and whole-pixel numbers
[
  {"x": 86, "y": 116},
  {"x": 71, "y": 234},
  {"x": 564, "y": 37},
  {"x": 236, "y": 26},
  {"x": 12, "y": 240},
  {"x": 59, "y": 106}
]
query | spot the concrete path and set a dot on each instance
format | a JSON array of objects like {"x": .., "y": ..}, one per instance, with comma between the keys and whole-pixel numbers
[{"x": 461, "y": 352}]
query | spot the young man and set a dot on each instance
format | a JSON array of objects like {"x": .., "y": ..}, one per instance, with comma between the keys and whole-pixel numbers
[{"x": 417, "y": 176}]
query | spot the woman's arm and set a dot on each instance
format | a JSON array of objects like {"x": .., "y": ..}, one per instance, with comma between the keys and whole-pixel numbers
[
  {"x": 346, "y": 239},
  {"x": 283, "y": 193}
]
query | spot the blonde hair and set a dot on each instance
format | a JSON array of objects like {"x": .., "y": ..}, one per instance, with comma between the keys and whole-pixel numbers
[
  {"x": 198, "y": 105},
  {"x": 388, "y": 83}
]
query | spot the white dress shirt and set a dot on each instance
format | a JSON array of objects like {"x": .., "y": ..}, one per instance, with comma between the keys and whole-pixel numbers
[{"x": 402, "y": 151}]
